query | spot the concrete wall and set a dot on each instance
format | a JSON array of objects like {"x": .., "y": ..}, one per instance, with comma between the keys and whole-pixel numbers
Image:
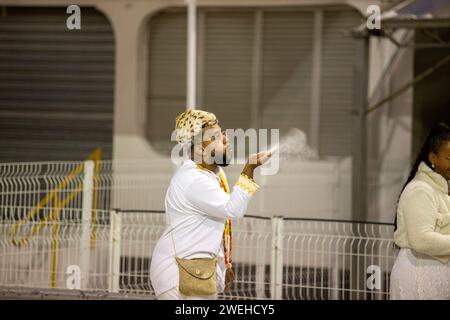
[
  {"x": 390, "y": 135},
  {"x": 390, "y": 128}
]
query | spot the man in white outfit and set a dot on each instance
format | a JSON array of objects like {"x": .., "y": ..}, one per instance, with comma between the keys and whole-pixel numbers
[{"x": 200, "y": 207}]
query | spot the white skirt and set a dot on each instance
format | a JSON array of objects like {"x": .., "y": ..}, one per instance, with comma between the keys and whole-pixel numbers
[{"x": 417, "y": 276}]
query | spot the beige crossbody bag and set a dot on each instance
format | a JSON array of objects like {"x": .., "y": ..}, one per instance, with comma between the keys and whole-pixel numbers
[{"x": 197, "y": 277}]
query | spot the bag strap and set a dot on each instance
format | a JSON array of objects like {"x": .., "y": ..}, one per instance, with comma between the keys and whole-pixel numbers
[{"x": 171, "y": 234}]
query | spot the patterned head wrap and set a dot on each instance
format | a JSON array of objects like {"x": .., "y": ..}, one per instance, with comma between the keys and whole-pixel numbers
[{"x": 190, "y": 123}]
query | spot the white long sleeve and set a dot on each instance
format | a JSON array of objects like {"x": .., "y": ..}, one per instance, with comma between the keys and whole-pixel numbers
[
  {"x": 206, "y": 195},
  {"x": 420, "y": 214}
]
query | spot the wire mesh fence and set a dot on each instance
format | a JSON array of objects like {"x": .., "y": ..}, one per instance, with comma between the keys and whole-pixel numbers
[
  {"x": 336, "y": 260},
  {"x": 59, "y": 230}
]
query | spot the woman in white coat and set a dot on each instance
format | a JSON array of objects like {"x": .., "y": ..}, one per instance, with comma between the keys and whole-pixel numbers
[{"x": 422, "y": 269}]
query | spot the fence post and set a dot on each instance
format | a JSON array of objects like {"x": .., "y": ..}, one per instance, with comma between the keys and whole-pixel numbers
[
  {"x": 276, "y": 270},
  {"x": 114, "y": 250},
  {"x": 88, "y": 180},
  {"x": 334, "y": 277}
]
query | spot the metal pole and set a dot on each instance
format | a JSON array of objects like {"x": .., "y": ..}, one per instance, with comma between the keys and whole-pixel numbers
[
  {"x": 359, "y": 144},
  {"x": 276, "y": 267},
  {"x": 191, "y": 54},
  {"x": 85, "y": 247},
  {"x": 316, "y": 79},
  {"x": 359, "y": 163},
  {"x": 114, "y": 251},
  {"x": 256, "y": 70}
]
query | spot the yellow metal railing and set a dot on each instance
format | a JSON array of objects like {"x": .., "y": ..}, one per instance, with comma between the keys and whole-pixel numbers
[{"x": 58, "y": 204}]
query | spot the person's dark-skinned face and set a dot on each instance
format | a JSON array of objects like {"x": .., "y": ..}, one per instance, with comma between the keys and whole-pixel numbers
[
  {"x": 215, "y": 144},
  {"x": 441, "y": 160}
]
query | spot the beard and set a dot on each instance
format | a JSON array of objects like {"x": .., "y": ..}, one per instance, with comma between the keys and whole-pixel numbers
[
  {"x": 226, "y": 160},
  {"x": 222, "y": 159}
]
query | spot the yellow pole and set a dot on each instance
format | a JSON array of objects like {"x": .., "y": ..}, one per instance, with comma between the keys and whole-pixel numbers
[{"x": 96, "y": 156}]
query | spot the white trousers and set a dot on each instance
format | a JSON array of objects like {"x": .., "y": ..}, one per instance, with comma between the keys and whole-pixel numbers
[
  {"x": 175, "y": 294},
  {"x": 417, "y": 276}
]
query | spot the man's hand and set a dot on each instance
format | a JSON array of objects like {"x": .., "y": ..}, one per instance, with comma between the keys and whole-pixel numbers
[
  {"x": 254, "y": 161},
  {"x": 260, "y": 158}
]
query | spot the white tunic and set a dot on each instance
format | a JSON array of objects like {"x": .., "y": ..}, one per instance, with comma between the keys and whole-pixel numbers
[{"x": 197, "y": 207}]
